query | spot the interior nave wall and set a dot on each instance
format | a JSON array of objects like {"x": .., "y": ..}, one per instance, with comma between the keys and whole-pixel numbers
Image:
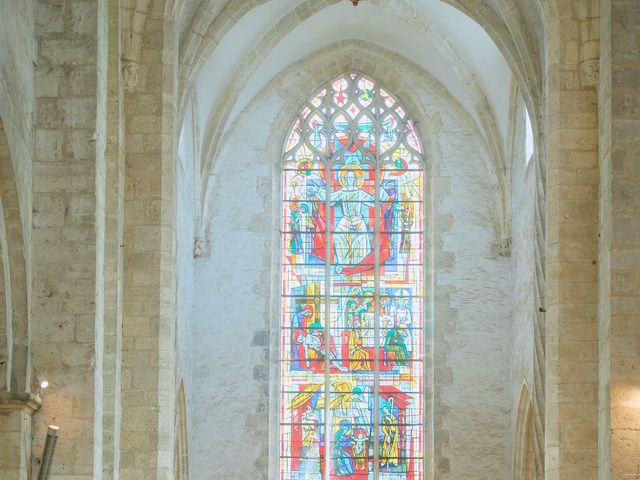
[
  {"x": 65, "y": 66},
  {"x": 236, "y": 313}
]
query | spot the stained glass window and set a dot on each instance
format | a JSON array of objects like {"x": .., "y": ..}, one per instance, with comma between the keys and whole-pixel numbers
[{"x": 352, "y": 355}]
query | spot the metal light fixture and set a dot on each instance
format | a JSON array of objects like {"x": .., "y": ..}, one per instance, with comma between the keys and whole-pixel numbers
[{"x": 47, "y": 454}]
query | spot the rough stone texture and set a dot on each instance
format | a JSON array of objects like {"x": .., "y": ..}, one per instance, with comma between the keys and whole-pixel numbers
[
  {"x": 572, "y": 288},
  {"x": 16, "y": 445},
  {"x": 619, "y": 340},
  {"x": 16, "y": 411},
  {"x": 68, "y": 201},
  {"x": 148, "y": 335}
]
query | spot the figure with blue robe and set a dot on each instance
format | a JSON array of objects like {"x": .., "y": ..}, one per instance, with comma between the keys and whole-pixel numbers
[{"x": 344, "y": 463}]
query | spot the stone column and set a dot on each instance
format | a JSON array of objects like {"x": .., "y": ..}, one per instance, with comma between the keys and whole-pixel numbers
[
  {"x": 572, "y": 239},
  {"x": 113, "y": 249},
  {"x": 148, "y": 368},
  {"x": 619, "y": 341},
  {"x": 68, "y": 233},
  {"x": 16, "y": 411}
]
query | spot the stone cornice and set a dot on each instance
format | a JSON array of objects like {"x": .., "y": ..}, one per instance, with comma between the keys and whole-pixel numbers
[{"x": 13, "y": 402}]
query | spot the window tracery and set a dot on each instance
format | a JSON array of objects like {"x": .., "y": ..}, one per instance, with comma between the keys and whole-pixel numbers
[{"x": 352, "y": 287}]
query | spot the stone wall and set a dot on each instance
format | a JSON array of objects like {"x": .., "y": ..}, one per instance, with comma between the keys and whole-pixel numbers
[
  {"x": 619, "y": 253},
  {"x": 69, "y": 213},
  {"x": 149, "y": 324},
  {"x": 571, "y": 252}
]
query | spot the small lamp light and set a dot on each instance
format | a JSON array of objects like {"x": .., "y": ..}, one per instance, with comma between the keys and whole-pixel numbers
[{"x": 43, "y": 382}]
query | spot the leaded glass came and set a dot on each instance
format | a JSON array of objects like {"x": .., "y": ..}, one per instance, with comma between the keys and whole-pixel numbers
[{"x": 352, "y": 355}]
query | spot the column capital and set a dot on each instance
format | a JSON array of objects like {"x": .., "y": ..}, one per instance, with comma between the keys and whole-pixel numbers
[{"x": 12, "y": 402}]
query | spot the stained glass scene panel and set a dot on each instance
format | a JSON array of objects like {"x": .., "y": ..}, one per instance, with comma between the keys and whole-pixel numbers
[
  {"x": 351, "y": 410},
  {"x": 303, "y": 431}
]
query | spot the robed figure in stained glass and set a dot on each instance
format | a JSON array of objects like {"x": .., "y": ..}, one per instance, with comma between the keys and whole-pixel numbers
[
  {"x": 344, "y": 461},
  {"x": 390, "y": 454},
  {"x": 353, "y": 240}
]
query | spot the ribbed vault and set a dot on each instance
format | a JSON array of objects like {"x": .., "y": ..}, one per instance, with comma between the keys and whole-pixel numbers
[{"x": 230, "y": 51}]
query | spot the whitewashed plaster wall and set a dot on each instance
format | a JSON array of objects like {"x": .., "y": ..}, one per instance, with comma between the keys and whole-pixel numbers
[
  {"x": 230, "y": 421},
  {"x": 472, "y": 308},
  {"x": 237, "y": 285}
]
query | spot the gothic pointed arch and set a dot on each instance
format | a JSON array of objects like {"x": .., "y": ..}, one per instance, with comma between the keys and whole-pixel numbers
[
  {"x": 352, "y": 289},
  {"x": 524, "y": 465}
]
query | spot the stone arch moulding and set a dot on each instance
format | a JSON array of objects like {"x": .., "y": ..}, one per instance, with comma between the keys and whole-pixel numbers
[
  {"x": 219, "y": 116},
  {"x": 14, "y": 275},
  {"x": 525, "y": 463},
  {"x": 181, "y": 460},
  {"x": 509, "y": 34},
  {"x": 328, "y": 63}
]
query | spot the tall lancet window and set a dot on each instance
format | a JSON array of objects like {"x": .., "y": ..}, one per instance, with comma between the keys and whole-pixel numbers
[{"x": 352, "y": 290}]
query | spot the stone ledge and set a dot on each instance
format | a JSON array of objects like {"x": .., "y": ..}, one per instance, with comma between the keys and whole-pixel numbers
[{"x": 13, "y": 402}]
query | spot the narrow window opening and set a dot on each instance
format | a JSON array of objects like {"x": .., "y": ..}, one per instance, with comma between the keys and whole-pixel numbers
[{"x": 529, "y": 141}]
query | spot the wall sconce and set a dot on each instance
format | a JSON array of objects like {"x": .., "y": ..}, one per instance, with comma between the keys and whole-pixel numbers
[{"x": 47, "y": 454}]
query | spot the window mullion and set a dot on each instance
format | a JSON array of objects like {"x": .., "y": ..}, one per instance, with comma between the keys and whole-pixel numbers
[
  {"x": 327, "y": 328},
  {"x": 376, "y": 263},
  {"x": 376, "y": 327}
]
